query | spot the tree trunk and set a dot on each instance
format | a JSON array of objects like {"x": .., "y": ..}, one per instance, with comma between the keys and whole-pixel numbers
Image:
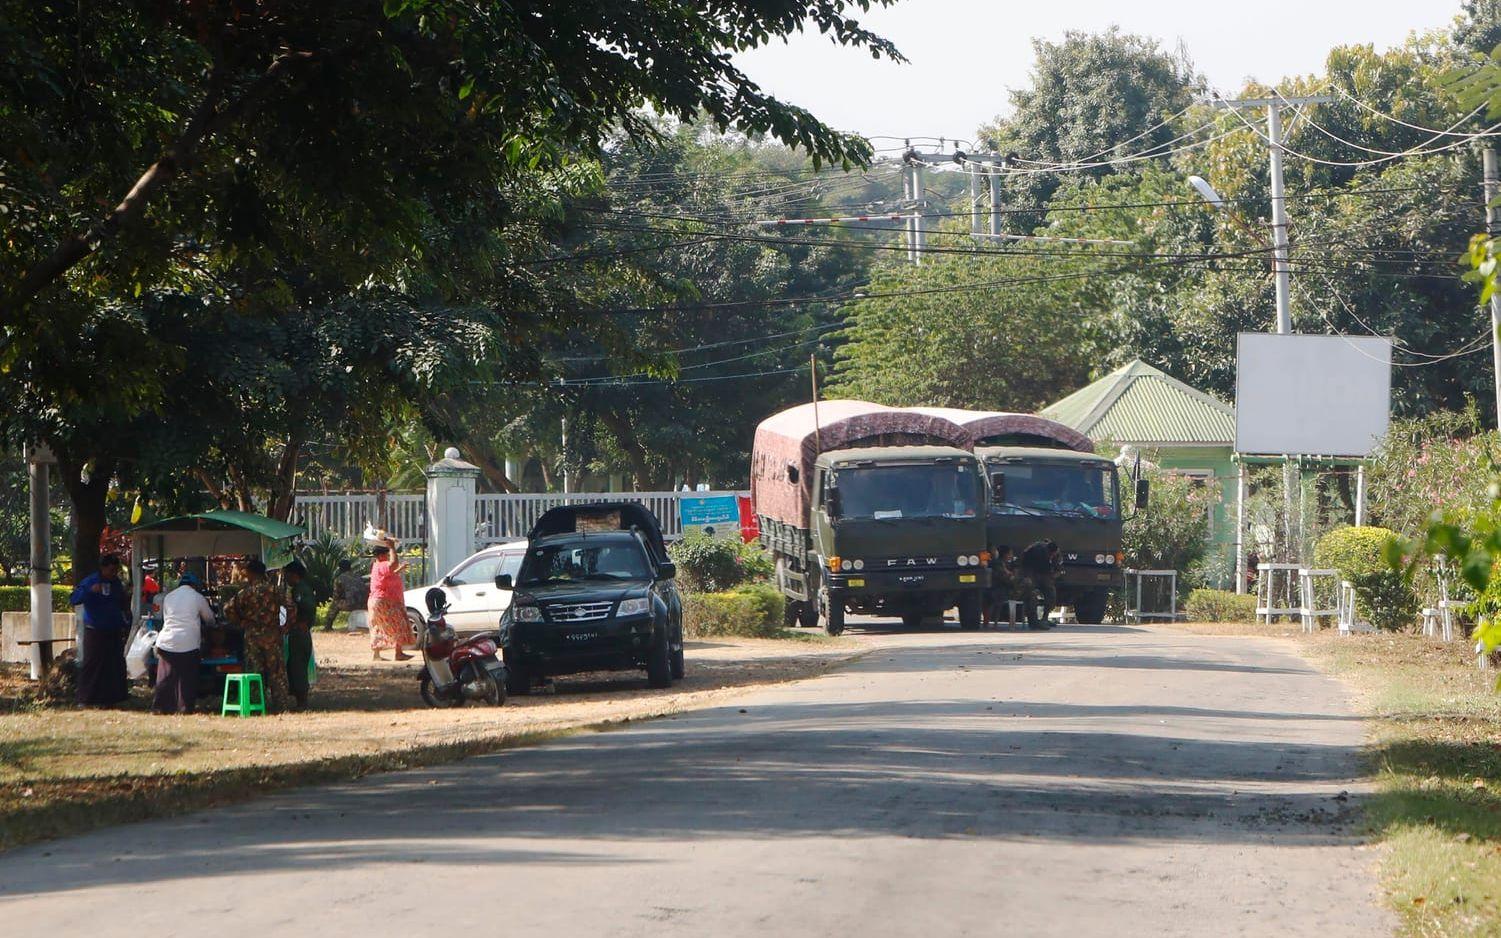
[
  {"x": 88, "y": 501},
  {"x": 634, "y": 451},
  {"x": 284, "y": 488},
  {"x": 493, "y": 473}
]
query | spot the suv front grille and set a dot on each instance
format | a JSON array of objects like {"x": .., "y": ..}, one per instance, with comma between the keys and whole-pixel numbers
[{"x": 578, "y": 612}]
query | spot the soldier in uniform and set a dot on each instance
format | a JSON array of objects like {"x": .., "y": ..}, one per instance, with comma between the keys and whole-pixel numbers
[
  {"x": 1003, "y": 586},
  {"x": 1040, "y": 565},
  {"x": 257, "y": 610}
]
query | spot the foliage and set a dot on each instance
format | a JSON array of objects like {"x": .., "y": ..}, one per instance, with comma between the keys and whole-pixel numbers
[
  {"x": 1209, "y": 605},
  {"x": 18, "y": 598},
  {"x": 1172, "y": 533},
  {"x": 1383, "y": 596},
  {"x": 711, "y": 564},
  {"x": 751, "y": 611},
  {"x": 321, "y": 556},
  {"x": 993, "y": 333}
]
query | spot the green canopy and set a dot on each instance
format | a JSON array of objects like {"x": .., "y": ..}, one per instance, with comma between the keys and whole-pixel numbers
[
  {"x": 211, "y": 532},
  {"x": 269, "y": 528}
]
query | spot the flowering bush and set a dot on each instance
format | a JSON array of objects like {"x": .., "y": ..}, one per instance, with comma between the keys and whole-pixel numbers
[{"x": 712, "y": 565}]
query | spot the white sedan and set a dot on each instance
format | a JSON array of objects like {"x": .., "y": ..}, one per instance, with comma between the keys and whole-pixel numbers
[{"x": 474, "y": 604}]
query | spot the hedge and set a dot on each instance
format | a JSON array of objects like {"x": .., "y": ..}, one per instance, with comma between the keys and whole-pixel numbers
[
  {"x": 753, "y": 611},
  {"x": 1220, "y": 606},
  {"x": 1364, "y": 556},
  {"x": 18, "y": 598}
]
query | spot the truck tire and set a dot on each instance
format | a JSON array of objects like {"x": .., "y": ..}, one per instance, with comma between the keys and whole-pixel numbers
[
  {"x": 969, "y": 611},
  {"x": 789, "y": 613},
  {"x": 912, "y": 620},
  {"x": 1089, "y": 608},
  {"x": 659, "y": 663},
  {"x": 807, "y": 614},
  {"x": 518, "y": 678},
  {"x": 830, "y": 612},
  {"x": 679, "y": 667}
]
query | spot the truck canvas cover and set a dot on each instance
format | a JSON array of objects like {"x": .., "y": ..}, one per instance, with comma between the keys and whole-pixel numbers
[
  {"x": 999, "y": 427},
  {"x": 791, "y": 440}
]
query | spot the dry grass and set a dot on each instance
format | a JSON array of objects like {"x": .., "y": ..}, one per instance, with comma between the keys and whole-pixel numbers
[
  {"x": 64, "y": 769},
  {"x": 1436, "y": 752}
]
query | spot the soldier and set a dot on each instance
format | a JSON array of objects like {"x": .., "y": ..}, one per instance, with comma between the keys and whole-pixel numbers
[
  {"x": 257, "y": 610},
  {"x": 1003, "y": 586},
  {"x": 1040, "y": 565},
  {"x": 348, "y": 594}
]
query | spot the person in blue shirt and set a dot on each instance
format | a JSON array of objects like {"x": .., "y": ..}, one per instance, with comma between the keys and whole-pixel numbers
[{"x": 106, "y": 621}]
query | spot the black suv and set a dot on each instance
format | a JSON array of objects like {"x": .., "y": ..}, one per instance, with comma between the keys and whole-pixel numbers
[{"x": 595, "y": 593}]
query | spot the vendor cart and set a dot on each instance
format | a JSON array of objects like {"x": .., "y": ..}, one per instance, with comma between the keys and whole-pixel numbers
[{"x": 211, "y": 544}]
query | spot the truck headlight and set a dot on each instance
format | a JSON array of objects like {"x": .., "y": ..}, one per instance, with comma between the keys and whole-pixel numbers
[
  {"x": 1099, "y": 558},
  {"x": 527, "y": 613},
  {"x": 962, "y": 560},
  {"x": 1110, "y": 559},
  {"x": 633, "y": 607},
  {"x": 974, "y": 560}
]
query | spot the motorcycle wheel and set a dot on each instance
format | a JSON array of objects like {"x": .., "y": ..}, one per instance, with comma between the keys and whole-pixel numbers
[
  {"x": 495, "y": 691},
  {"x": 430, "y": 693}
]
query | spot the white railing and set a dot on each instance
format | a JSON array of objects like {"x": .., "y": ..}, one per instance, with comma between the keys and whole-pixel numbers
[
  {"x": 508, "y": 517},
  {"x": 345, "y": 516}
]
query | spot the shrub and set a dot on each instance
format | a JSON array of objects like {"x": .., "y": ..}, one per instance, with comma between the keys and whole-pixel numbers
[
  {"x": 753, "y": 611},
  {"x": 1383, "y": 595},
  {"x": 1206, "y": 605},
  {"x": 712, "y": 565},
  {"x": 18, "y": 598}
]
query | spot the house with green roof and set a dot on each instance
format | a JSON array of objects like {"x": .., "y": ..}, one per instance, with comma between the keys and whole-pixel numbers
[{"x": 1178, "y": 427}]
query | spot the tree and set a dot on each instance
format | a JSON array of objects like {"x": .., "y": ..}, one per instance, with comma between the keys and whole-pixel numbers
[{"x": 1092, "y": 97}]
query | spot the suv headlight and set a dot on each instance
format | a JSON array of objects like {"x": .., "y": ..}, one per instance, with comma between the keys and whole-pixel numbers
[
  {"x": 634, "y": 607},
  {"x": 527, "y": 613}
]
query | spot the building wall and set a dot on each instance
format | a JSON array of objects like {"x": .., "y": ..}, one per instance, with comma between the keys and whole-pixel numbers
[{"x": 1215, "y": 461}]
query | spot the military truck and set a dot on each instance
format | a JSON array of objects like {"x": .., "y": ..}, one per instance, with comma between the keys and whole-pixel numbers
[
  {"x": 873, "y": 510},
  {"x": 1047, "y": 483}
]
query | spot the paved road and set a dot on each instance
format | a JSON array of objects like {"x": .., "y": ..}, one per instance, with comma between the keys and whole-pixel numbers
[{"x": 1088, "y": 781}]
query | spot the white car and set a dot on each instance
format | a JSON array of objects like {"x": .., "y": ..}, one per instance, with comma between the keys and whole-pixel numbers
[{"x": 474, "y": 604}]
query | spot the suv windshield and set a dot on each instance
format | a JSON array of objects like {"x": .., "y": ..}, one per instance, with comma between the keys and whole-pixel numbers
[
  {"x": 937, "y": 491},
  {"x": 577, "y": 561},
  {"x": 1057, "y": 488}
]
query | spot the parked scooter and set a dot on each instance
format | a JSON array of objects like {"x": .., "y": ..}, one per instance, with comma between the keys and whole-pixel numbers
[{"x": 455, "y": 672}]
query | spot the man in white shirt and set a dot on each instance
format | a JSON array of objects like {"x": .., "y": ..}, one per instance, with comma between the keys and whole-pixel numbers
[{"x": 179, "y": 646}]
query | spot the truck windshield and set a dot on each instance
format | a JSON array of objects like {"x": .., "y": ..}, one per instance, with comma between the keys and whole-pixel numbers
[
  {"x": 1058, "y": 488},
  {"x": 936, "y": 491},
  {"x": 566, "y": 562}
]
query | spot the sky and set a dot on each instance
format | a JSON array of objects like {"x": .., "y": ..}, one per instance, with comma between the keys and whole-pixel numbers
[{"x": 964, "y": 55}]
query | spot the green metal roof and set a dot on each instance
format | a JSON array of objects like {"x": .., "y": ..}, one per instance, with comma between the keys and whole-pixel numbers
[
  {"x": 1141, "y": 404},
  {"x": 269, "y": 528}
]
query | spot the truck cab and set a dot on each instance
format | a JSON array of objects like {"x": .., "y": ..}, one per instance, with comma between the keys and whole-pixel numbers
[
  {"x": 1070, "y": 498},
  {"x": 899, "y": 530}
]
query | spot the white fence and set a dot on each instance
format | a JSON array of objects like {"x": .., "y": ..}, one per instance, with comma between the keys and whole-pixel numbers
[
  {"x": 508, "y": 517},
  {"x": 497, "y": 517},
  {"x": 345, "y": 516}
]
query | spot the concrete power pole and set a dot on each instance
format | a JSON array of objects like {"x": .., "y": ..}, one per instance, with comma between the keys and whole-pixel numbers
[
  {"x": 1492, "y": 191},
  {"x": 38, "y": 462}
]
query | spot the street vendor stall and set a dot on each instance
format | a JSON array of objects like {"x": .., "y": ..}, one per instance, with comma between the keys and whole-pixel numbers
[{"x": 213, "y": 545}]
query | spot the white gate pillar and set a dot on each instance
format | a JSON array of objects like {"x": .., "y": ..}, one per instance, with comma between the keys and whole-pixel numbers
[{"x": 451, "y": 486}]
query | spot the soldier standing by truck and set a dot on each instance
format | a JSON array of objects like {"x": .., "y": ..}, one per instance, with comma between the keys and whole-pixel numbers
[{"x": 1038, "y": 583}]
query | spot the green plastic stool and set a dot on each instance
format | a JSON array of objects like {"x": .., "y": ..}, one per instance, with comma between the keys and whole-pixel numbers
[{"x": 243, "y": 703}]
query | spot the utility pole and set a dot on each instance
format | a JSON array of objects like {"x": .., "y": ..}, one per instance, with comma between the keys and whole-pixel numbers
[
  {"x": 38, "y": 461},
  {"x": 1283, "y": 277},
  {"x": 914, "y": 192},
  {"x": 1280, "y": 269},
  {"x": 1492, "y": 191}
]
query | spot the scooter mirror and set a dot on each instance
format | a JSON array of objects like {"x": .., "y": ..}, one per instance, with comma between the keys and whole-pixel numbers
[{"x": 436, "y": 600}]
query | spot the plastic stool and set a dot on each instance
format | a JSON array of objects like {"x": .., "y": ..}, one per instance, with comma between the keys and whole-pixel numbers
[{"x": 243, "y": 704}]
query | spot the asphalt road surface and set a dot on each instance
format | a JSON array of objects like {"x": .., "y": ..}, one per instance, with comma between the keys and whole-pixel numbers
[{"x": 1094, "y": 780}]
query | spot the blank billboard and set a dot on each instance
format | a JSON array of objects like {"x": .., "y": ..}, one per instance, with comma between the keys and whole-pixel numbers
[{"x": 1311, "y": 395}]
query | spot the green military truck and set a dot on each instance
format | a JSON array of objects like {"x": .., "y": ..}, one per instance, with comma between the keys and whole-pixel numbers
[
  {"x": 1047, "y": 483},
  {"x": 872, "y": 510}
]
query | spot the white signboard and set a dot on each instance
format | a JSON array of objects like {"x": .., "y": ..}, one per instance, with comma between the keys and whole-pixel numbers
[{"x": 1311, "y": 395}]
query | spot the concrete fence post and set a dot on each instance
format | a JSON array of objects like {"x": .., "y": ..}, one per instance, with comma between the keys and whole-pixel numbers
[{"x": 451, "y": 487}]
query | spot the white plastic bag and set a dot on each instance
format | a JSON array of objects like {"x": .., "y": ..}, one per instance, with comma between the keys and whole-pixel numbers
[{"x": 135, "y": 658}]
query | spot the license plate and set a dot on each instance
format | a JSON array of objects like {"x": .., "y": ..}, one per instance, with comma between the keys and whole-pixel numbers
[
  {"x": 857, "y": 582},
  {"x": 966, "y": 578}
]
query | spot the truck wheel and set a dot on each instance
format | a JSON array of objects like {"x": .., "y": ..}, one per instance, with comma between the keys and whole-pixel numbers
[
  {"x": 790, "y": 613},
  {"x": 518, "y": 678},
  {"x": 830, "y": 612},
  {"x": 678, "y": 668},
  {"x": 1089, "y": 608},
  {"x": 807, "y": 614},
  {"x": 659, "y": 664},
  {"x": 912, "y": 620},
  {"x": 969, "y": 611}
]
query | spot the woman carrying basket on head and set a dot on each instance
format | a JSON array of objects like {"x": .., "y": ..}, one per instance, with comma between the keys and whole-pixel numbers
[{"x": 389, "y": 626}]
